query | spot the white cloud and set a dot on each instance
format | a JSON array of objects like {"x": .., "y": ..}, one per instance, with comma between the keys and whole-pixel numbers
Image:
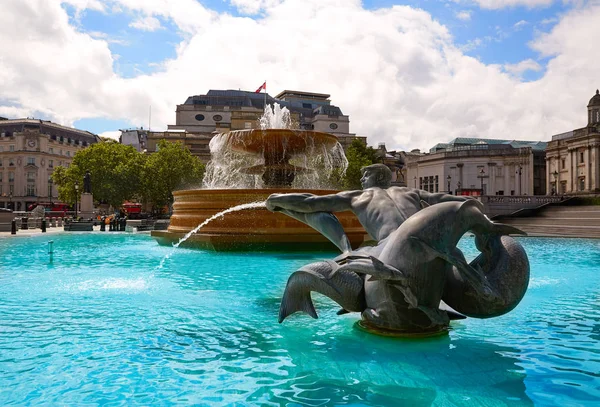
[
  {"x": 520, "y": 24},
  {"x": 471, "y": 45},
  {"x": 400, "y": 77},
  {"x": 464, "y": 15},
  {"x": 522, "y": 67},
  {"x": 111, "y": 134},
  {"x": 85, "y": 4},
  {"x": 146, "y": 23},
  {"x": 251, "y": 7},
  {"x": 547, "y": 21},
  {"x": 498, "y": 4}
]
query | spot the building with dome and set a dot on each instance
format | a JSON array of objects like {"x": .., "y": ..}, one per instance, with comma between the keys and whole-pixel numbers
[{"x": 573, "y": 158}]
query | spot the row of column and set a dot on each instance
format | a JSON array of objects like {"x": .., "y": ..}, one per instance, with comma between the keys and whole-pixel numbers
[{"x": 590, "y": 169}]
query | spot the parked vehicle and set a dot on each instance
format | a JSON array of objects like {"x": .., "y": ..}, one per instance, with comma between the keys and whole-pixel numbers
[
  {"x": 52, "y": 208},
  {"x": 133, "y": 210}
]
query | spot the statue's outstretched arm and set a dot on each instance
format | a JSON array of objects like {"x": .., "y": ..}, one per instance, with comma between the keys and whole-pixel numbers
[
  {"x": 433, "y": 199},
  {"x": 308, "y": 203}
]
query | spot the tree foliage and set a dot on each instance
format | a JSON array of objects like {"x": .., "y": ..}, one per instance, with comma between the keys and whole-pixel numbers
[
  {"x": 359, "y": 155},
  {"x": 115, "y": 171},
  {"x": 119, "y": 173},
  {"x": 172, "y": 167}
]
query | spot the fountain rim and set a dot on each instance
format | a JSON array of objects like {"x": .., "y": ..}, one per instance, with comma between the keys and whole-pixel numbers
[{"x": 253, "y": 191}]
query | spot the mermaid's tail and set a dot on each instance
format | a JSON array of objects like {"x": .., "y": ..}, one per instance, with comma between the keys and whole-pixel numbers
[
  {"x": 505, "y": 267},
  {"x": 344, "y": 287}
]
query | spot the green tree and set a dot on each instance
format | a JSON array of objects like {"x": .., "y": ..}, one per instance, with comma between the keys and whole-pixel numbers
[
  {"x": 115, "y": 171},
  {"x": 172, "y": 167},
  {"x": 359, "y": 155}
]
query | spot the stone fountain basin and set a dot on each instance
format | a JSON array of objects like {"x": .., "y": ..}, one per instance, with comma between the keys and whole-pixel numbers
[
  {"x": 278, "y": 141},
  {"x": 254, "y": 229}
]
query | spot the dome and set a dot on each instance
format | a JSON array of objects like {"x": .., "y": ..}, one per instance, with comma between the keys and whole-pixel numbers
[{"x": 595, "y": 101}]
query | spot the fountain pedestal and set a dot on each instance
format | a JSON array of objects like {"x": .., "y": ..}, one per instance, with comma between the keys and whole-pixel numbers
[{"x": 255, "y": 229}]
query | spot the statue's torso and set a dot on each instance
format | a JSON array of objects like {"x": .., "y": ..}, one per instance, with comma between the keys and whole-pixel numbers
[{"x": 382, "y": 211}]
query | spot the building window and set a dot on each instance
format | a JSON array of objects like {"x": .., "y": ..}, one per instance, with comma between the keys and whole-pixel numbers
[
  {"x": 217, "y": 117},
  {"x": 436, "y": 184},
  {"x": 420, "y": 182},
  {"x": 11, "y": 176},
  {"x": 581, "y": 157},
  {"x": 51, "y": 150},
  {"x": 30, "y": 160},
  {"x": 247, "y": 125},
  {"x": 68, "y": 154},
  {"x": 31, "y": 176},
  {"x": 333, "y": 126},
  {"x": 11, "y": 162},
  {"x": 11, "y": 147},
  {"x": 563, "y": 164},
  {"x": 30, "y": 190},
  {"x": 0, "y": 162},
  {"x": 50, "y": 163},
  {"x": 563, "y": 187},
  {"x": 582, "y": 184},
  {"x": 1, "y": 176},
  {"x": 199, "y": 117}
]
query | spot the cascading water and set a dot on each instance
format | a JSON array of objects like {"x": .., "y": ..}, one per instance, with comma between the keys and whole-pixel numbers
[
  {"x": 248, "y": 166},
  {"x": 313, "y": 167}
]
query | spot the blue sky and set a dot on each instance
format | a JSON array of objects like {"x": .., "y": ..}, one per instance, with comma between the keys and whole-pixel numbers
[{"x": 430, "y": 71}]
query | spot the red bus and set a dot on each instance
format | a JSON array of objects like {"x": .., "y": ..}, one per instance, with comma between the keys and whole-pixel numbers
[
  {"x": 132, "y": 209},
  {"x": 57, "y": 208}
]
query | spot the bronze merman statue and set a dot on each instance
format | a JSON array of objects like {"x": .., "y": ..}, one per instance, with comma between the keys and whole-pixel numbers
[{"x": 398, "y": 284}]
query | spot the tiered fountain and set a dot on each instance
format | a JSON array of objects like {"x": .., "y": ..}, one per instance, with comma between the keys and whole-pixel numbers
[{"x": 247, "y": 166}]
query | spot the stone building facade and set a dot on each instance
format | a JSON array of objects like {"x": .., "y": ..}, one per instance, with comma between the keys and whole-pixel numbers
[
  {"x": 30, "y": 150},
  {"x": 573, "y": 158},
  {"x": 202, "y": 116},
  {"x": 468, "y": 166}
]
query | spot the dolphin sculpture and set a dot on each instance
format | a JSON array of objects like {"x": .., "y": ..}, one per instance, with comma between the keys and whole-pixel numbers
[{"x": 416, "y": 267}]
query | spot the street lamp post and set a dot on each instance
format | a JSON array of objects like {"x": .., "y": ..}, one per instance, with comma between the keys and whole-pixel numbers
[
  {"x": 50, "y": 191},
  {"x": 555, "y": 182},
  {"x": 449, "y": 179},
  {"x": 76, "y": 196},
  {"x": 481, "y": 175}
]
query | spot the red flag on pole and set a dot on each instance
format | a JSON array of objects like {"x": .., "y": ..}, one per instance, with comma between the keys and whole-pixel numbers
[{"x": 263, "y": 86}]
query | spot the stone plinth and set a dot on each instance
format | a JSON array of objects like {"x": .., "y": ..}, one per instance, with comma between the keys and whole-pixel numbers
[{"x": 87, "y": 206}]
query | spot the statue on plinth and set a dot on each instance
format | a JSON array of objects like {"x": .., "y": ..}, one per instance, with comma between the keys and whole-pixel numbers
[
  {"x": 87, "y": 183},
  {"x": 399, "y": 282}
]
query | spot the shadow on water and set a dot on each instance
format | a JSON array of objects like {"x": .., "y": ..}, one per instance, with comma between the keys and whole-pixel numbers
[{"x": 359, "y": 367}]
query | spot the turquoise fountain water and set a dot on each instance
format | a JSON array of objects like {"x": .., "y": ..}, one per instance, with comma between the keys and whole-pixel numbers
[{"x": 99, "y": 326}]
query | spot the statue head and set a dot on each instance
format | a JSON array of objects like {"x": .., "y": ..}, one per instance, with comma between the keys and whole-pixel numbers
[{"x": 376, "y": 175}]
